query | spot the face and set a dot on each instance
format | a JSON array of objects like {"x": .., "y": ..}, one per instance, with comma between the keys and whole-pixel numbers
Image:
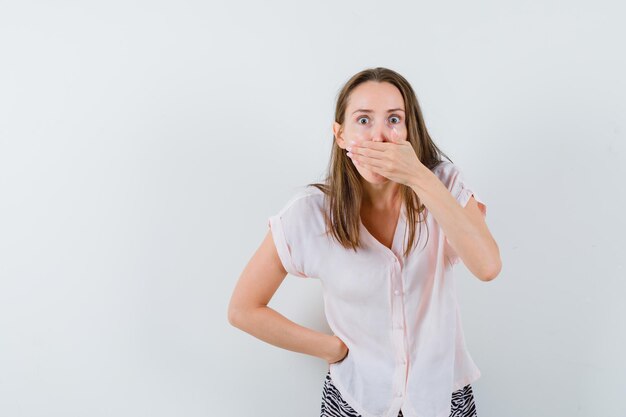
[{"x": 373, "y": 112}]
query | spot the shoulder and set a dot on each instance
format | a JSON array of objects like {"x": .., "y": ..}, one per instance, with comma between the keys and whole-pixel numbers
[
  {"x": 304, "y": 199},
  {"x": 456, "y": 182},
  {"x": 448, "y": 173}
]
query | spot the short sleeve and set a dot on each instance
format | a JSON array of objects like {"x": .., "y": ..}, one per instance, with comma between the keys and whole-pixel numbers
[
  {"x": 461, "y": 190},
  {"x": 289, "y": 229}
]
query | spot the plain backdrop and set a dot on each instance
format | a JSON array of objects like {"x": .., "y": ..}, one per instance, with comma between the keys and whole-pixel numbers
[{"x": 144, "y": 145}]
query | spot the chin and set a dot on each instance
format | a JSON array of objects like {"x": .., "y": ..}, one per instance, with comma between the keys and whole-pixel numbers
[{"x": 375, "y": 178}]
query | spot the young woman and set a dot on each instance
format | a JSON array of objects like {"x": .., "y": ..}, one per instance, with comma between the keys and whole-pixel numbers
[{"x": 398, "y": 347}]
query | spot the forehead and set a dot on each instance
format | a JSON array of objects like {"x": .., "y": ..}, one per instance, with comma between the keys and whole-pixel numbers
[{"x": 376, "y": 96}]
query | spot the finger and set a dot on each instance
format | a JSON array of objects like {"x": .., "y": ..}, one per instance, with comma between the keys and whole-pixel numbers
[
  {"x": 395, "y": 135},
  {"x": 367, "y": 162},
  {"x": 368, "y": 144},
  {"x": 370, "y": 153}
]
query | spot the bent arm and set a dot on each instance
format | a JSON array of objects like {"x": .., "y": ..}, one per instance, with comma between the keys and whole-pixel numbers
[
  {"x": 249, "y": 312},
  {"x": 464, "y": 227},
  {"x": 269, "y": 325}
]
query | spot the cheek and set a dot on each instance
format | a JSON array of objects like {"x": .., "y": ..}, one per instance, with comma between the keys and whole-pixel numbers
[
  {"x": 356, "y": 133},
  {"x": 359, "y": 137}
]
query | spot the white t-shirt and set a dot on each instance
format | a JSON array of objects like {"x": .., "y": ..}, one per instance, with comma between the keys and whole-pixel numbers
[{"x": 398, "y": 316}]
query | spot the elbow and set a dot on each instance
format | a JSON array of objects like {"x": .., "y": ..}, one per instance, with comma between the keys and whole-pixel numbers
[
  {"x": 491, "y": 273},
  {"x": 238, "y": 316},
  {"x": 234, "y": 317},
  {"x": 493, "y": 267},
  {"x": 488, "y": 277}
]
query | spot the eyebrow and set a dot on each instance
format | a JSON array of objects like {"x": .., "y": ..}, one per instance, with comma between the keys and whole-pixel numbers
[{"x": 372, "y": 111}]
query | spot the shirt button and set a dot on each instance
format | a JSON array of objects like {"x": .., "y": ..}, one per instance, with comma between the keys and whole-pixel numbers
[
  {"x": 397, "y": 292},
  {"x": 399, "y": 394}
]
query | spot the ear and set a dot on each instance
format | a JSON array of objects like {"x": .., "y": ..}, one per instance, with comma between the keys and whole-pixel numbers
[{"x": 338, "y": 132}]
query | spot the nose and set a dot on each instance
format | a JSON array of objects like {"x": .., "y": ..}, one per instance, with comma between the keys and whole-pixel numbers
[{"x": 382, "y": 134}]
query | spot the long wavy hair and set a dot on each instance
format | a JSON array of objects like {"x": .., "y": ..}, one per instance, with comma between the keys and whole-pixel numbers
[{"x": 342, "y": 187}]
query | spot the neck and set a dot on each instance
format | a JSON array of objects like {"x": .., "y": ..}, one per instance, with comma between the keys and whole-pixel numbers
[{"x": 381, "y": 197}]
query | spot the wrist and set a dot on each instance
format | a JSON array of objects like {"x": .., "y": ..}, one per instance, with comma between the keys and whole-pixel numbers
[
  {"x": 420, "y": 179},
  {"x": 329, "y": 350}
]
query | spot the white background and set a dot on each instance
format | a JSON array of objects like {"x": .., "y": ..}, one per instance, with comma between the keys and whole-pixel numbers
[{"x": 143, "y": 146}]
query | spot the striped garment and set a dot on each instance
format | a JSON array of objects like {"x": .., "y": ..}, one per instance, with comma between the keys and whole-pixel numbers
[{"x": 335, "y": 406}]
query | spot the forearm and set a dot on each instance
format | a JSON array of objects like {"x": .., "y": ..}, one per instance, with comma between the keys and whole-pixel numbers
[
  {"x": 272, "y": 327},
  {"x": 471, "y": 240}
]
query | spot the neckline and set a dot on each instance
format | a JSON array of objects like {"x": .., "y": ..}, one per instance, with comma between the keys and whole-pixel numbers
[{"x": 394, "y": 250}]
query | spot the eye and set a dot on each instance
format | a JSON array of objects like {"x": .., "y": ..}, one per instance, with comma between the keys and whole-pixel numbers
[
  {"x": 360, "y": 118},
  {"x": 395, "y": 117}
]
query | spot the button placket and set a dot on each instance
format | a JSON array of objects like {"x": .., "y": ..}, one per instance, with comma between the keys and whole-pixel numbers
[
  {"x": 398, "y": 292},
  {"x": 398, "y": 326}
]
